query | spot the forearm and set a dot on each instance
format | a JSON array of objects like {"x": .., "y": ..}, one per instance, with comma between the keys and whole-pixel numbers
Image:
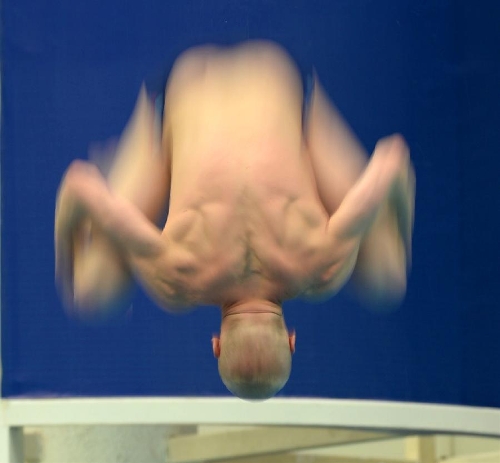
[
  {"x": 367, "y": 198},
  {"x": 85, "y": 193}
]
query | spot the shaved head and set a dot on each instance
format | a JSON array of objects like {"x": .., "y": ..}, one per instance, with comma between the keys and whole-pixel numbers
[{"x": 255, "y": 358}]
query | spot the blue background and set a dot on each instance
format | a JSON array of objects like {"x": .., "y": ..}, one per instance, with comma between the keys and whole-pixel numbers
[{"x": 427, "y": 69}]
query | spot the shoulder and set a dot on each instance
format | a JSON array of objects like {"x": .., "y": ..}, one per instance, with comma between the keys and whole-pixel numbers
[{"x": 185, "y": 277}]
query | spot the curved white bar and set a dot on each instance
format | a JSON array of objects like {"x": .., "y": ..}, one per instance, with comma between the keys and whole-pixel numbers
[{"x": 356, "y": 414}]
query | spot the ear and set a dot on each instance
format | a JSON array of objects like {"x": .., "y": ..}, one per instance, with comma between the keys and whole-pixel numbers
[
  {"x": 291, "y": 341},
  {"x": 216, "y": 346}
]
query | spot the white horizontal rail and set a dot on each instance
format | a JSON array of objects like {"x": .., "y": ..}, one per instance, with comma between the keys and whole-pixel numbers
[{"x": 355, "y": 414}]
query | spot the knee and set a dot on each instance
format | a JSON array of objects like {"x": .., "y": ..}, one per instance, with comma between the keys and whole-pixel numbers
[{"x": 99, "y": 302}]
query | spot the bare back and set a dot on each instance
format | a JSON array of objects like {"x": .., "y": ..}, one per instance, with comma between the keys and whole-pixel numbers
[
  {"x": 243, "y": 180},
  {"x": 245, "y": 217}
]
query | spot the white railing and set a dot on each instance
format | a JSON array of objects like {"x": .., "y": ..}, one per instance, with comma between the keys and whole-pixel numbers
[{"x": 400, "y": 417}]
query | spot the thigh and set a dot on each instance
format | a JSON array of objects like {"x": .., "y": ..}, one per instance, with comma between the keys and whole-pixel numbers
[
  {"x": 140, "y": 171},
  {"x": 337, "y": 157}
]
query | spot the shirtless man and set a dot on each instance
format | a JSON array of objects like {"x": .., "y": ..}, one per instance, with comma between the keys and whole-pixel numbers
[{"x": 261, "y": 208}]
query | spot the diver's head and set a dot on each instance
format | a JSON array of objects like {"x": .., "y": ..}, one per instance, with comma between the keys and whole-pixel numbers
[{"x": 254, "y": 350}]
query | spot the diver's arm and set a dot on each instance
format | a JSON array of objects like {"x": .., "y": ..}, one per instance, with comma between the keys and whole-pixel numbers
[
  {"x": 84, "y": 194},
  {"x": 379, "y": 207}
]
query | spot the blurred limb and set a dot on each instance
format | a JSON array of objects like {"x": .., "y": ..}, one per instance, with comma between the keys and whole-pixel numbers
[
  {"x": 339, "y": 161},
  {"x": 103, "y": 155},
  {"x": 137, "y": 171},
  {"x": 338, "y": 158},
  {"x": 137, "y": 240},
  {"x": 384, "y": 258},
  {"x": 102, "y": 280}
]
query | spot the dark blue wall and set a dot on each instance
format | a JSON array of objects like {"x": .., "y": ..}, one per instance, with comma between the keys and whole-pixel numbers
[{"x": 428, "y": 69}]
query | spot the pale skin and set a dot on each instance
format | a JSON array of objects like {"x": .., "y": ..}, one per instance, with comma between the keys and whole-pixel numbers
[{"x": 261, "y": 208}]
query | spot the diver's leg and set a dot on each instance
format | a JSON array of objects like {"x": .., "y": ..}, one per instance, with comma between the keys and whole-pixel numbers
[
  {"x": 338, "y": 160},
  {"x": 139, "y": 173},
  {"x": 337, "y": 156}
]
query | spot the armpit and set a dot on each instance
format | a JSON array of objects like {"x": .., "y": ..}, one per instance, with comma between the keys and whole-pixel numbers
[{"x": 330, "y": 282}]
